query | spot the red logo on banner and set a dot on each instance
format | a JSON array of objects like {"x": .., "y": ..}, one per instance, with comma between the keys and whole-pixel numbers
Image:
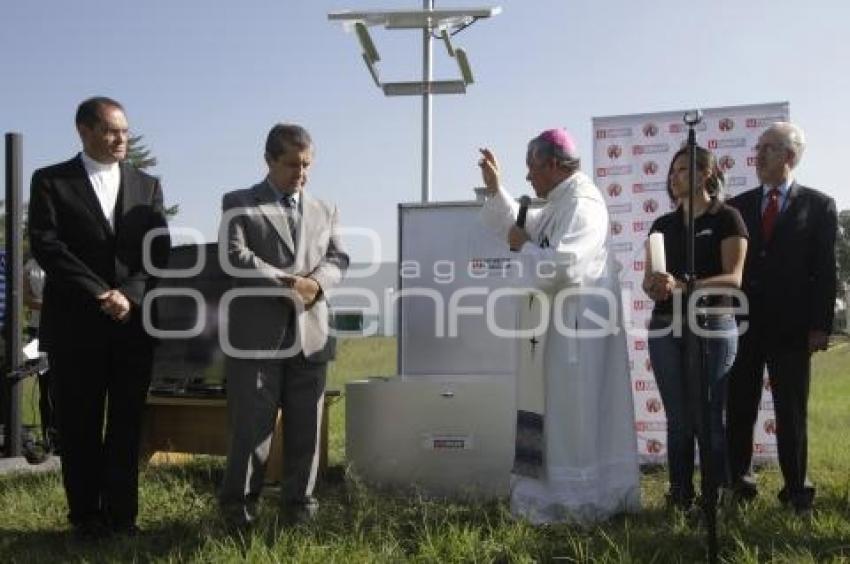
[
  {"x": 653, "y": 446},
  {"x": 640, "y": 345},
  {"x": 650, "y": 206},
  {"x": 637, "y": 305},
  {"x": 770, "y": 426},
  {"x": 614, "y": 190},
  {"x": 614, "y": 151},
  {"x": 712, "y": 143},
  {"x": 726, "y": 162},
  {"x": 752, "y": 122},
  {"x": 650, "y": 130},
  {"x": 650, "y": 167},
  {"x": 638, "y": 265},
  {"x": 616, "y": 227},
  {"x": 726, "y": 124},
  {"x": 653, "y": 405},
  {"x": 644, "y": 385}
]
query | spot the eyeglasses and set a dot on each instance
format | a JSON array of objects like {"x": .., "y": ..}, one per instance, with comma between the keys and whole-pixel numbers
[{"x": 769, "y": 147}]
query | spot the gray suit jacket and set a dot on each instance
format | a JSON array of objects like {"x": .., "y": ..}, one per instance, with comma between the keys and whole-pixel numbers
[{"x": 256, "y": 248}]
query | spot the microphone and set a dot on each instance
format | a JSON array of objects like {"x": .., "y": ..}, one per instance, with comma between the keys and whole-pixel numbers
[{"x": 524, "y": 202}]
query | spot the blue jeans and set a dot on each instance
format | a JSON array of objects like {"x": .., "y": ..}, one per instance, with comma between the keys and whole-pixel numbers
[{"x": 681, "y": 395}]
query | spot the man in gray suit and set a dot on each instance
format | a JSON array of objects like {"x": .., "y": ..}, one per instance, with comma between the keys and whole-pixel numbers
[{"x": 283, "y": 250}]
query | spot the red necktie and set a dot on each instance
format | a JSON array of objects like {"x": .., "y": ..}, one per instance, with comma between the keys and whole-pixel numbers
[{"x": 768, "y": 218}]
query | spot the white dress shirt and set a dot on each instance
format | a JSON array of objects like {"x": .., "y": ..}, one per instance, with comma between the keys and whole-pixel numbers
[
  {"x": 292, "y": 214},
  {"x": 106, "y": 180},
  {"x": 784, "y": 190}
]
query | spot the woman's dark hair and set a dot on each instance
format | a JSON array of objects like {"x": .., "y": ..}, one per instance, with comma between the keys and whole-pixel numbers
[{"x": 705, "y": 162}]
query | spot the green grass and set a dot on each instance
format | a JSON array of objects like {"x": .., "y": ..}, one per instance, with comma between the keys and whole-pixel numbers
[
  {"x": 29, "y": 402},
  {"x": 181, "y": 522}
]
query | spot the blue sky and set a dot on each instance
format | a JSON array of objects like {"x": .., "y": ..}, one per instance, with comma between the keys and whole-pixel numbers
[{"x": 203, "y": 81}]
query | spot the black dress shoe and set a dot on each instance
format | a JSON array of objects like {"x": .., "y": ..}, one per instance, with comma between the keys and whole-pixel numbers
[
  {"x": 743, "y": 491},
  {"x": 800, "y": 501},
  {"x": 804, "y": 512},
  {"x": 235, "y": 526},
  {"x": 36, "y": 452},
  {"x": 300, "y": 511},
  {"x": 88, "y": 531},
  {"x": 239, "y": 517},
  {"x": 125, "y": 530},
  {"x": 678, "y": 501}
]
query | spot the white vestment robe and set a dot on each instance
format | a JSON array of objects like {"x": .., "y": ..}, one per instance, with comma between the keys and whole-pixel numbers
[{"x": 590, "y": 459}]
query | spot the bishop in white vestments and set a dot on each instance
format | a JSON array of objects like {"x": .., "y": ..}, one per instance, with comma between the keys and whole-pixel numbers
[{"x": 588, "y": 464}]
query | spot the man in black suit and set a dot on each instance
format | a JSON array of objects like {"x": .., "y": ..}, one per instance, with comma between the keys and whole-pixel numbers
[
  {"x": 88, "y": 218},
  {"x": 790, "y": 282}
]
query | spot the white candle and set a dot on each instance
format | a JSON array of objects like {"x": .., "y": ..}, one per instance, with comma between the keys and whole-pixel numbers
[{"x": 657, "y": 262}]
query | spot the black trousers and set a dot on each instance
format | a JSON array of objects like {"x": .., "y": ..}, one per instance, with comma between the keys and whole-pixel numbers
[
  {"x": 789, "y": 374},
  {"x": 100, "y": 396}
]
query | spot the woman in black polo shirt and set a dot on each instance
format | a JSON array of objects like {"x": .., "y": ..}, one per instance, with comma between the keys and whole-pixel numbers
[{"x": 720, "y": 247}]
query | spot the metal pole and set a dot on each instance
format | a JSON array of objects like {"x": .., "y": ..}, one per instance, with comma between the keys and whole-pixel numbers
[
  {"x": 696, "y": 376},
  {"x": 12, "y": 323},
  {"x": 427, "y": 5}
]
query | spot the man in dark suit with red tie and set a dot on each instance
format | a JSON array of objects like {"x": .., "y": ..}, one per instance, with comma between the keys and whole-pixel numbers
[
  {"x": 790, "y": 284},
  {"x": 88, "y": 222}
]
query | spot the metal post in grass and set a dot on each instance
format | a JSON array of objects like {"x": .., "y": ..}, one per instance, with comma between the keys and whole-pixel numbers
[
  {"x": 12, "y": 320},
  {"x": 699, "y": 394}
]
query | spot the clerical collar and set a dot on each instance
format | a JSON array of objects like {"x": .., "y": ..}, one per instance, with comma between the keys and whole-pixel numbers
[{"x": 93, "y": 166}]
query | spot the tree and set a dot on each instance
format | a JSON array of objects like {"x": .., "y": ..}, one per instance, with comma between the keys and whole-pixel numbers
[
  {"x": 140, "y": 157},
  {"x": 842, "y": 246}
]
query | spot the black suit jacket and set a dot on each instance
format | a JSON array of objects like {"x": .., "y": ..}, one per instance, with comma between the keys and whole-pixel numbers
[
  {"x": 83, "y": 256},
  {"x": 790, "y": 280}
]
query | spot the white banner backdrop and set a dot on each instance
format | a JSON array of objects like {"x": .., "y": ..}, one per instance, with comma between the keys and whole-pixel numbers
[{"x": 631, "y": 157}]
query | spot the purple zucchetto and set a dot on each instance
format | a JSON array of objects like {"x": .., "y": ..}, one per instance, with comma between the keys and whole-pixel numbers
[{"x": 562, "y": 139}]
